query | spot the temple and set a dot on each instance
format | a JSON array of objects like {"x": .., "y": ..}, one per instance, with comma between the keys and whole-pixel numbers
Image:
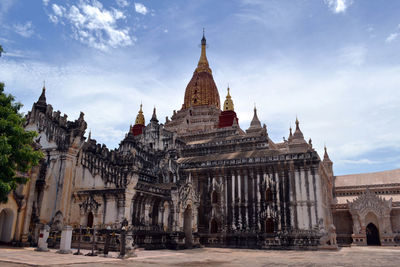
[{"x": 198, "y": 179}]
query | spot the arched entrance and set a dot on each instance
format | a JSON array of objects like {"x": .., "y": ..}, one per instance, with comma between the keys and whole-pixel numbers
[
  {"x": 90, "y": 220},
  {"x": 6, "y": 224},
  {"x": 187, "y": 226},
  {"x": 213, "y": 226},
  {"x": 372, "y": 235},
  {"x": 269, "y": 226}
]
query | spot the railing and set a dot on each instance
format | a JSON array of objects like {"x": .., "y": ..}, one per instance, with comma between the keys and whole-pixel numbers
[{"x": 54, "y": 239}]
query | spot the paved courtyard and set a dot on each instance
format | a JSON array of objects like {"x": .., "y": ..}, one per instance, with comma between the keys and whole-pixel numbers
[{"x": 356, "y": 256}]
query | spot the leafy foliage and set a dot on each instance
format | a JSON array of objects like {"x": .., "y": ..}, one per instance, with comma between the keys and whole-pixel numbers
[{"x": 17, "y": 154}]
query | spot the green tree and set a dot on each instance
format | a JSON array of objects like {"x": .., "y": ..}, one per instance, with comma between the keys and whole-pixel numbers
[{"x": 17, "y": 154}]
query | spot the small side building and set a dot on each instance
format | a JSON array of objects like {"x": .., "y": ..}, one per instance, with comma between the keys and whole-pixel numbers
[{"x": 366, "y": 208}]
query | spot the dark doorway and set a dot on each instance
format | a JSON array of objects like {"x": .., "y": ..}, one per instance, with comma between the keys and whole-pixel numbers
[
  {"x": 90, "y": 220},
  {"x": 187, "y": 226},
  {"x": 213, "y": 226},
  {"x": 214, "y": 197},
  {"x": 372, "y": 235},
  {"x": 269, "y": 226}
]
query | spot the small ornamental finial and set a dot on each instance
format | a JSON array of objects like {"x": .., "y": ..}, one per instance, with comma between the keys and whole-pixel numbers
[
  {"x": 297, "y": 123},
  {"x": 44, "y": 84},
  {"x": 90, "y": 134},
  {"x": 203, "y": 66},
  {"x": 203, "y": 40}
]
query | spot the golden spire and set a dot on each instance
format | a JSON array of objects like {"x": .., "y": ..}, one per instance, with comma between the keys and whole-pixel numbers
[
  {"x": 203, "y": 62},
  {"x": 228, "y": 104},
  {"x": 140, "y": 117}
]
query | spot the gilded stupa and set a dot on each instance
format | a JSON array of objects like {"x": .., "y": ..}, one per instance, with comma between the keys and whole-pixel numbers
[{"x": 201, "y": 89}]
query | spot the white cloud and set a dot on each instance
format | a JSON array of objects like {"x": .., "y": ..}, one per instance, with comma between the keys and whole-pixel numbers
[
  {"x": 359, "y": 161},
  {"x": 25, "y": 30},
  {"x": 140, "y": 8},
  {"x": 46, "y": 2},
  {"x": 58, "y": 10},
  {"x": 338, "y": 6},
  {"x": 338, "y": 104},
  {"x": 94, "y": 25},
  {"x": 392, "y": 37},
  {"x": 122, "y": 3}
]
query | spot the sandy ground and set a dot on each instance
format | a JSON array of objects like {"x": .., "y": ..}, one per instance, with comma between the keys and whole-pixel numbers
[{"x": 205, "y": 257}]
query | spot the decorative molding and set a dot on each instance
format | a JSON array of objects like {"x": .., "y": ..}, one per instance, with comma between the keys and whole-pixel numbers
[{"x": 89, "y": 205}]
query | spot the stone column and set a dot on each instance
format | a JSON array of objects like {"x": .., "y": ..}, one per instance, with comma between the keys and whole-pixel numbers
[
  {"x": 278, "y": 201},
  {"x": 319, "y": 200},
  {"x": 284, "y": 200},
  {"x": 43, "y": 236},
  {"x": 239, "y": 200},
  {"x": 299, "y": 205},
  {"x": 225, "y": 177},
  {"x": 121, "y": 208},
  {"x": 254, "y": 197},
  {"x": 29, "y": 203},
  {"x": 246, "y": 198},
  {"x": 64, "y": 203},
  {"x": 314, "y": 222},
  {"x": 161, "y": 215},
  {"x": 292, "y": 198},
  {"x": 258, "y": 199},
  {"x": 146, "y": 213},
  {"x": 17, "y": 229},
  {"x": 66, "y": 238},
  {"x": 304, "y": 199},
  {"x": 233, "y": 201}
]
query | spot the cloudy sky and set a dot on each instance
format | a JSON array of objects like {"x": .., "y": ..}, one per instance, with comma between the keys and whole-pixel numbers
[{"x": 333, "y": 63}]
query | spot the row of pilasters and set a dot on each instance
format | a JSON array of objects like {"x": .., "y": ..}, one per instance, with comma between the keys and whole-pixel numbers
[
  {"x": 295, "y": 200},
  {"x": 148, "y": 210}
]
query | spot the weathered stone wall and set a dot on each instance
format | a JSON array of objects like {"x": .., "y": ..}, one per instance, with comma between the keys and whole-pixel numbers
[{"x": 395, "y": 220}]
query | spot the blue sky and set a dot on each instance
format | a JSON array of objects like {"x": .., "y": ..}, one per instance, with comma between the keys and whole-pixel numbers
[{"x": 333, "y": 63}]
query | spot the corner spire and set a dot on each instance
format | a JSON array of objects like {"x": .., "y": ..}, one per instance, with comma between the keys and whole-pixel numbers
[
  {"x": 140, "y": 117},
  {"x": 203, "y": 66},
  {"x": 327, "y": 162},
  {"x": 326, "y": 156},
  {"x": 41, "y": 104},
  {"x": 297, "y": 133},
  {"x": 255, "y": 124},
  {"x": 154, "y": 116},
  {"x": 228, "y": 104},
  {"x": 42, "y": 98}
]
